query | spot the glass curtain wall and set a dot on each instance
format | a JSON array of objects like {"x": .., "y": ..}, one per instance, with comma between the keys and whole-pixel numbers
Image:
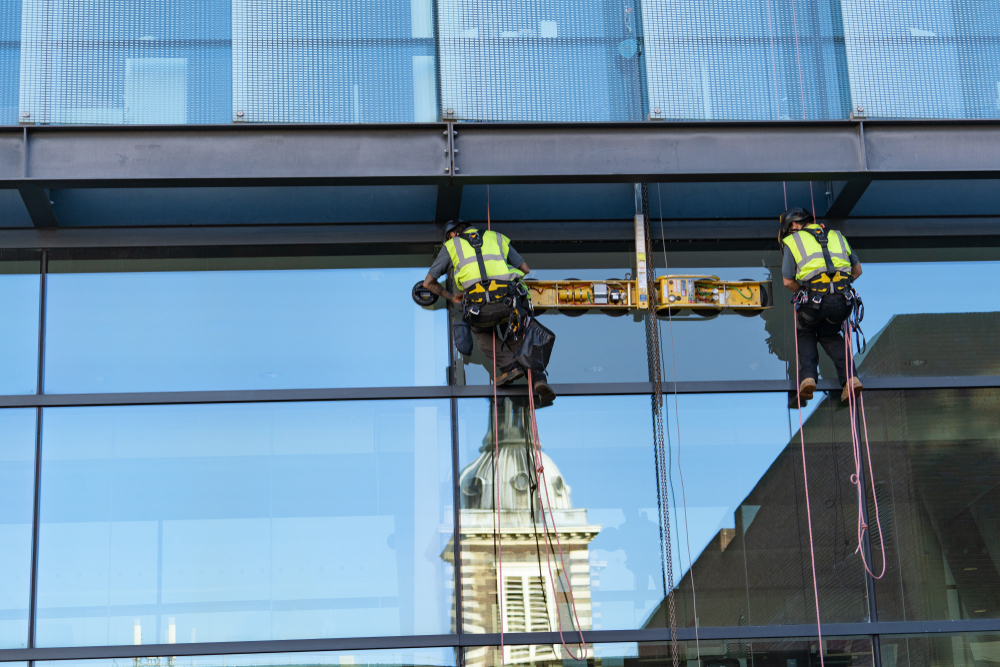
[
  {"x": 283, "y": 519},
  {"x": 226, "y": 61}
]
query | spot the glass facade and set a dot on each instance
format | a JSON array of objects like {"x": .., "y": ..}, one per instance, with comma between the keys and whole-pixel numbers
[
  {"x": 230, "y": 453},
  {"x": 183, "y": 62}
]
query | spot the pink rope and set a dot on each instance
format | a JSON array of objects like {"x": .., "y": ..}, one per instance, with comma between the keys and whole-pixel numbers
[
  {"x": 805, "y": 479},
  {"x": 541, "y": 481},
  {"x": 853, "y": 402}
]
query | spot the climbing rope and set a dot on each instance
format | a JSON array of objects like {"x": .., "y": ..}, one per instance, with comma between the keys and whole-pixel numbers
[
  {"x": 805, "y": 478},
  {"x": 542, "y": 483},
  {"x": 853, "y": 403}
]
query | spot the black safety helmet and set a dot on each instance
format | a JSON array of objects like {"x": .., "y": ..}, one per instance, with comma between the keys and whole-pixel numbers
[
  {"x": 791, "y": 216},
  {"x": 453, "y": 225}
]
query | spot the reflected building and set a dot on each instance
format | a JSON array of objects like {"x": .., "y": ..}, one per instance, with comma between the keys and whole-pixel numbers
[
  {"x": 936, "y": 461},
  {"x": 528, "y": 574}
]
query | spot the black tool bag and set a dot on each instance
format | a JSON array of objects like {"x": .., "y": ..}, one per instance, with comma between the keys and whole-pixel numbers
[
  {"x": 461, "y": 333},
  {"x": 535, "y": 348}
]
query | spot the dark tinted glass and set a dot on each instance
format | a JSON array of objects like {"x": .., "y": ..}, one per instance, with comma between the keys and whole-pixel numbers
[
  {"x": 936, "y": 462},
  {"x": 738, "y": 513},
  {"x": 20, "y": 287},
  {"x": 927, "y": 650},
  {"x": 17, "y": 475},
  {"x": 255, "y": 329},
  {"x": 601, "y": 486},
  {"x": 244, "y": 522}
]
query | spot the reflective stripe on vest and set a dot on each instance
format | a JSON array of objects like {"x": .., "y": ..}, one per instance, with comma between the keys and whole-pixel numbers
[
  {"x": 463, "y": 258},
  {"x": 808, "y": 253}
]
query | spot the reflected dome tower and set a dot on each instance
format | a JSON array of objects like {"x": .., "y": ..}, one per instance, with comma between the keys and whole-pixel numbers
[{"x": 527, "y": 568}]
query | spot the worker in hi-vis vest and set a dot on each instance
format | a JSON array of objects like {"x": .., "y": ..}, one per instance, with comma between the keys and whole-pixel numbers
[
  {"x": 487, "y": 300},
  {"x": 819, "y": 267}
]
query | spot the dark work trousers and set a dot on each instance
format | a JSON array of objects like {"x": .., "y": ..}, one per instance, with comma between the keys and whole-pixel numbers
[
  {"x": 822, "y": 323},
  {"x": 505, "y": 355}
]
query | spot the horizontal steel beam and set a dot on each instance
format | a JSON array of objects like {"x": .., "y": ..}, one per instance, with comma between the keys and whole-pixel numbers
[
  {"x": 422, "y": 237},
  {"x": 252, "y": 155},
  {"x": 513, "y": 639},
  {"x": 473, "y": 391}
]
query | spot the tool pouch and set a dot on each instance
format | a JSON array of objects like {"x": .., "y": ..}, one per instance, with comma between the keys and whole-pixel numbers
[
  {"x": 536, "y": 347},
  {"x": 461, "y": 334}
]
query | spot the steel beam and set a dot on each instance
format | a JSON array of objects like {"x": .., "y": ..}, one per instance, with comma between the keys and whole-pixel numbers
[
  {"x": 39, "y": 207},
  {"x": 916, "y": 628},
  {"x": 253, "y": 155},
  {"x": 473, "y": 391},
  {"x": 410, "y": 238},
  {"x": 846, "y": 195}
]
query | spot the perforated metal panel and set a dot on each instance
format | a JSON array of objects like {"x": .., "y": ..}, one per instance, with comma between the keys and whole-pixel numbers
[
  {"x": 333, "y": 61},
  {"x": 753, "y": 60},
  {"x": 924, "y": 59},
  {"x": 540, "y": 60},
  {"x": 131, "y": 62}
]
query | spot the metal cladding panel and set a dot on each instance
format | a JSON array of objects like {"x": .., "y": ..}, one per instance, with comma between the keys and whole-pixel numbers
[
  {"x": 654, "y": 151},
  {"x": 11, "y": 154},
  {"x": 243, "y": 153}
]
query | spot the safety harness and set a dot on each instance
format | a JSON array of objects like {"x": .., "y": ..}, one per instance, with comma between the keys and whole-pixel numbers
[{"x": 491, "y": 302}]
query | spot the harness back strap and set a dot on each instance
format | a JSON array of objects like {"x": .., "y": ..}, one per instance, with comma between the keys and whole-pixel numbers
[
  {"x": 823, "y": 241},
  {"x": 476, "y": 241}
]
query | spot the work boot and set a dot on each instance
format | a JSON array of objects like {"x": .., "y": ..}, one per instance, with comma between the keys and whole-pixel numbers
[
  {"x": 854, "y": 385},
  {"x": 546, "y": 396},
  {"x": 509, "y": 375},
  {"x": 806, "y": 389}
]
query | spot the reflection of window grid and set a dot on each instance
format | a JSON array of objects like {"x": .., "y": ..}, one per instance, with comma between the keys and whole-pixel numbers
[
  {"x": 528, "y": 607},
  {"x": 924, "y": 59}
]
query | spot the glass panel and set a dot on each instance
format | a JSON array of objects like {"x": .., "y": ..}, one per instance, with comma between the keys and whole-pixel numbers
[
  {"x": 17, "y": 483},
  {"x": 596, "y": 347},
  {"x": 211, "y": 330},
  {"x": 244, "y": 522},
  {"x": 943, "y": 329},
  {"x": 950, "y": 53},
  {"x": 100, "y": 62},
  {"x": 10, "y": 59},
  {"x": 841, "y": 651},
  {"x": 932, "y": 650},
  {"x": 739, "y": 513},
  {"x": 426, "y": 657},
  {"x": 601, "y": 481},
  {"x": 345, "y": 62},
  {"x": 529, "y": 61},
  {"x": 20, "y": 289},
  {"x": 781, "y": 60},
  {"x": 936, "y": 461}
]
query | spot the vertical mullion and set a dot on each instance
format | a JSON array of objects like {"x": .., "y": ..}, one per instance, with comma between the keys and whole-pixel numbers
[
  {"x": 39, "y": 389},
  {"x": 455, "y": 484}
]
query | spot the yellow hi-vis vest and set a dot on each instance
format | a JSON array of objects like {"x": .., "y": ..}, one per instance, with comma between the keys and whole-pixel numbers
[
  {"x": 808, "y": 253},
  {"x": 463, "y": 258}
]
